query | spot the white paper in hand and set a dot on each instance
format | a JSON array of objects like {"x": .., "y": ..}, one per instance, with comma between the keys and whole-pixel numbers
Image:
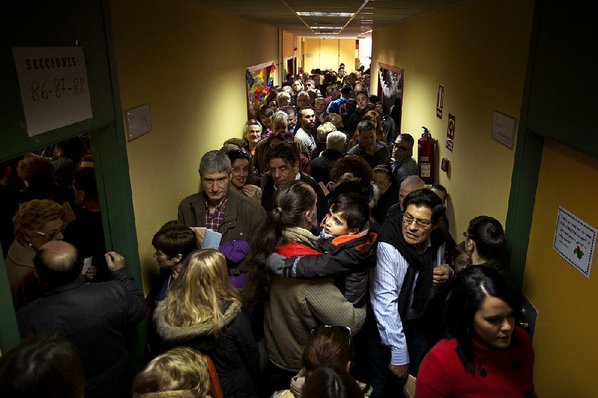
[{"x": 86, "y": 265}]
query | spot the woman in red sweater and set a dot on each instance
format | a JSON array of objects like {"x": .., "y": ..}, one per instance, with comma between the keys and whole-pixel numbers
[{"x": 486, "y": 355}]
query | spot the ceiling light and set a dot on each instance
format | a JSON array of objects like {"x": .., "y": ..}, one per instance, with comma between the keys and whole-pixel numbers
[
  {"x": 326, "y": 27},
  {"x": 324, "y": 14}
]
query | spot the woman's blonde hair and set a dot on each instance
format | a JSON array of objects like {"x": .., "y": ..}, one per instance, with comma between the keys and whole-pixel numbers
[
  {"x": 181, "y": 369},
  {"x": 33, "y": 215},
  {"x": 198, "y": 293}
]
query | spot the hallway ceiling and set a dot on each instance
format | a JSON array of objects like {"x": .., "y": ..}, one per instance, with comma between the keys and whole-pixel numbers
[{"x": 360, "y": 16}]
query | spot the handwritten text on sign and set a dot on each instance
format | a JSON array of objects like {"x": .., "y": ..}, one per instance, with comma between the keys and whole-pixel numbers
[
  {"x": 53, "y": 84},
  {"x": 575, "y": 241}
]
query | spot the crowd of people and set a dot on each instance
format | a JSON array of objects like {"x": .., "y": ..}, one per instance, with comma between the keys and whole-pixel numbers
[{"x": 314, "y": 262}]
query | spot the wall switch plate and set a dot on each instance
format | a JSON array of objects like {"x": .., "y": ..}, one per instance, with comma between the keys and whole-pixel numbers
[{"x": 445, "y": 165}]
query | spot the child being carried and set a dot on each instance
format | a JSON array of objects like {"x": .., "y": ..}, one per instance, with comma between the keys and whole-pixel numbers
[{"x": 348, "y": 248}]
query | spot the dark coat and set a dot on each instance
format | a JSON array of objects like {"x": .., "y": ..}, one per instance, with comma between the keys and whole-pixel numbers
[
  {"x": 86, "y": 233},
  {"x": 233, "y": 350},
  {"x": 96, "y": 318},
  {"x": 386, "y": 200},
  {"x": 403, "y": 168},
  {"x": 380, "y": 155},
  {"x": 321, "y": 166}
]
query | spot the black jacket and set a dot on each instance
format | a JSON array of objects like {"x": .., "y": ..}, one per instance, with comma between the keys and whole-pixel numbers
[
  {"x": 347, "y": 257},
  {"x": 321, "y": 165},
  {"x": 233, "y": 349},
  {"x": 96, "y": 319}
]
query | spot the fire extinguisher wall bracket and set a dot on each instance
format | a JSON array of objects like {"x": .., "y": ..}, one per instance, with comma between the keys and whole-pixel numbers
[{"x": 426, "y": 157}]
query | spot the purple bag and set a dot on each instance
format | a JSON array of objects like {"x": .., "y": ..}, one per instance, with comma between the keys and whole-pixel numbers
[{"x": 235, "y": 252}]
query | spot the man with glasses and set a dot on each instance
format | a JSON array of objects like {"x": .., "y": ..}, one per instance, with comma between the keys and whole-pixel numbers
[
  {"x": 403, "y": 164},
  {"x": 217, "y": 207},
  {"x": 409, "y": 270}
]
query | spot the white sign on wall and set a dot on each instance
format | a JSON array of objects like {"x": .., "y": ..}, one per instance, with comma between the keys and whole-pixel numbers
[
  {"x": 575, "y": 241},
  {"x": 503, "y": 129},
  {"x": 53, "y": 85}
]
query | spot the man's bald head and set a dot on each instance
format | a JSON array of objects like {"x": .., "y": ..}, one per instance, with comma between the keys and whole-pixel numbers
[
  {"x": 57, "y": 262},
  {"x": 409, "y": 184}
]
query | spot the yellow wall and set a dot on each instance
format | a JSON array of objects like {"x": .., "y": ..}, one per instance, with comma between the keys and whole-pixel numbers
[
  {"x": 288, "y": 45},
  {"x": 188, "y": 62},
  {"x": 328, "y": 53},
  {"x": 565, "y": 339},
  {"x": 287, "y": 52},
  {"x": 478, "y": 50}
]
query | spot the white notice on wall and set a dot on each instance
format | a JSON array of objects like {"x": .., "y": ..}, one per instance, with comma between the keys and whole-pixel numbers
[
  {"x": 575, "y": 241},
  {"x": 503, "y": 129},
  {"x": 53, "y": 83}
]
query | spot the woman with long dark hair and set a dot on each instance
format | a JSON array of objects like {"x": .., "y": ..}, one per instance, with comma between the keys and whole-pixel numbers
[
  {"x": 293, "y": 306},
  {"x": 485, "y": 354},
  {"x": 486, "y": 244}
]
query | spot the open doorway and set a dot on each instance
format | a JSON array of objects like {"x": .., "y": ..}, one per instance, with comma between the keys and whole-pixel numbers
[{"x": 46, "y": 194}]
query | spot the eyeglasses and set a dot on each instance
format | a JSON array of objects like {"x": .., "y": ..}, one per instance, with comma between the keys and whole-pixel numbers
[
  {"x": 344, "y": 330},
  {"x": 420, "y": 222},
  {"x": 400, "y": 147},
  {"x": 51, "y": 236}
]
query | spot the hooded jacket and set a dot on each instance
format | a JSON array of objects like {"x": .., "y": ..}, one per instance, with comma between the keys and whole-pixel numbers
[{"x": 232, "y": 349}]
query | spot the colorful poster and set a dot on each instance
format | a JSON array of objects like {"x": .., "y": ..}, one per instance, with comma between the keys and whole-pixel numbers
[
  {"x": 259, "y": 81},
  {"x": 390, "y": 91}
]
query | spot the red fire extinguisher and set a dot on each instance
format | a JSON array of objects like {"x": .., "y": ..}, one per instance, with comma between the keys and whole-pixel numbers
[{"x": 426, "y": 156}]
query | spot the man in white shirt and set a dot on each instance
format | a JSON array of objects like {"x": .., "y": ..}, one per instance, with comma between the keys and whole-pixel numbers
[{"x": 409, "y": 269}]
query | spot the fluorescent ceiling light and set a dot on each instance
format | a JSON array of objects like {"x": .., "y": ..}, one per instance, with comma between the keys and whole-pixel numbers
[
  {"x": 326, "y": 27},
  {"x": 324, "y": 14}
]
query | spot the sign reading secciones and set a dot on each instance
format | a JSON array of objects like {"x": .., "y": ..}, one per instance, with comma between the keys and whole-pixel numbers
[{"x": 53, "y": 85}]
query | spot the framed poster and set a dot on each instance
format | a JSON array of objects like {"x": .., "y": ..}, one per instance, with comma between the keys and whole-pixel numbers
[
  {"x": 259, "y": 81},
  {"x": 390, "y": 91}
]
